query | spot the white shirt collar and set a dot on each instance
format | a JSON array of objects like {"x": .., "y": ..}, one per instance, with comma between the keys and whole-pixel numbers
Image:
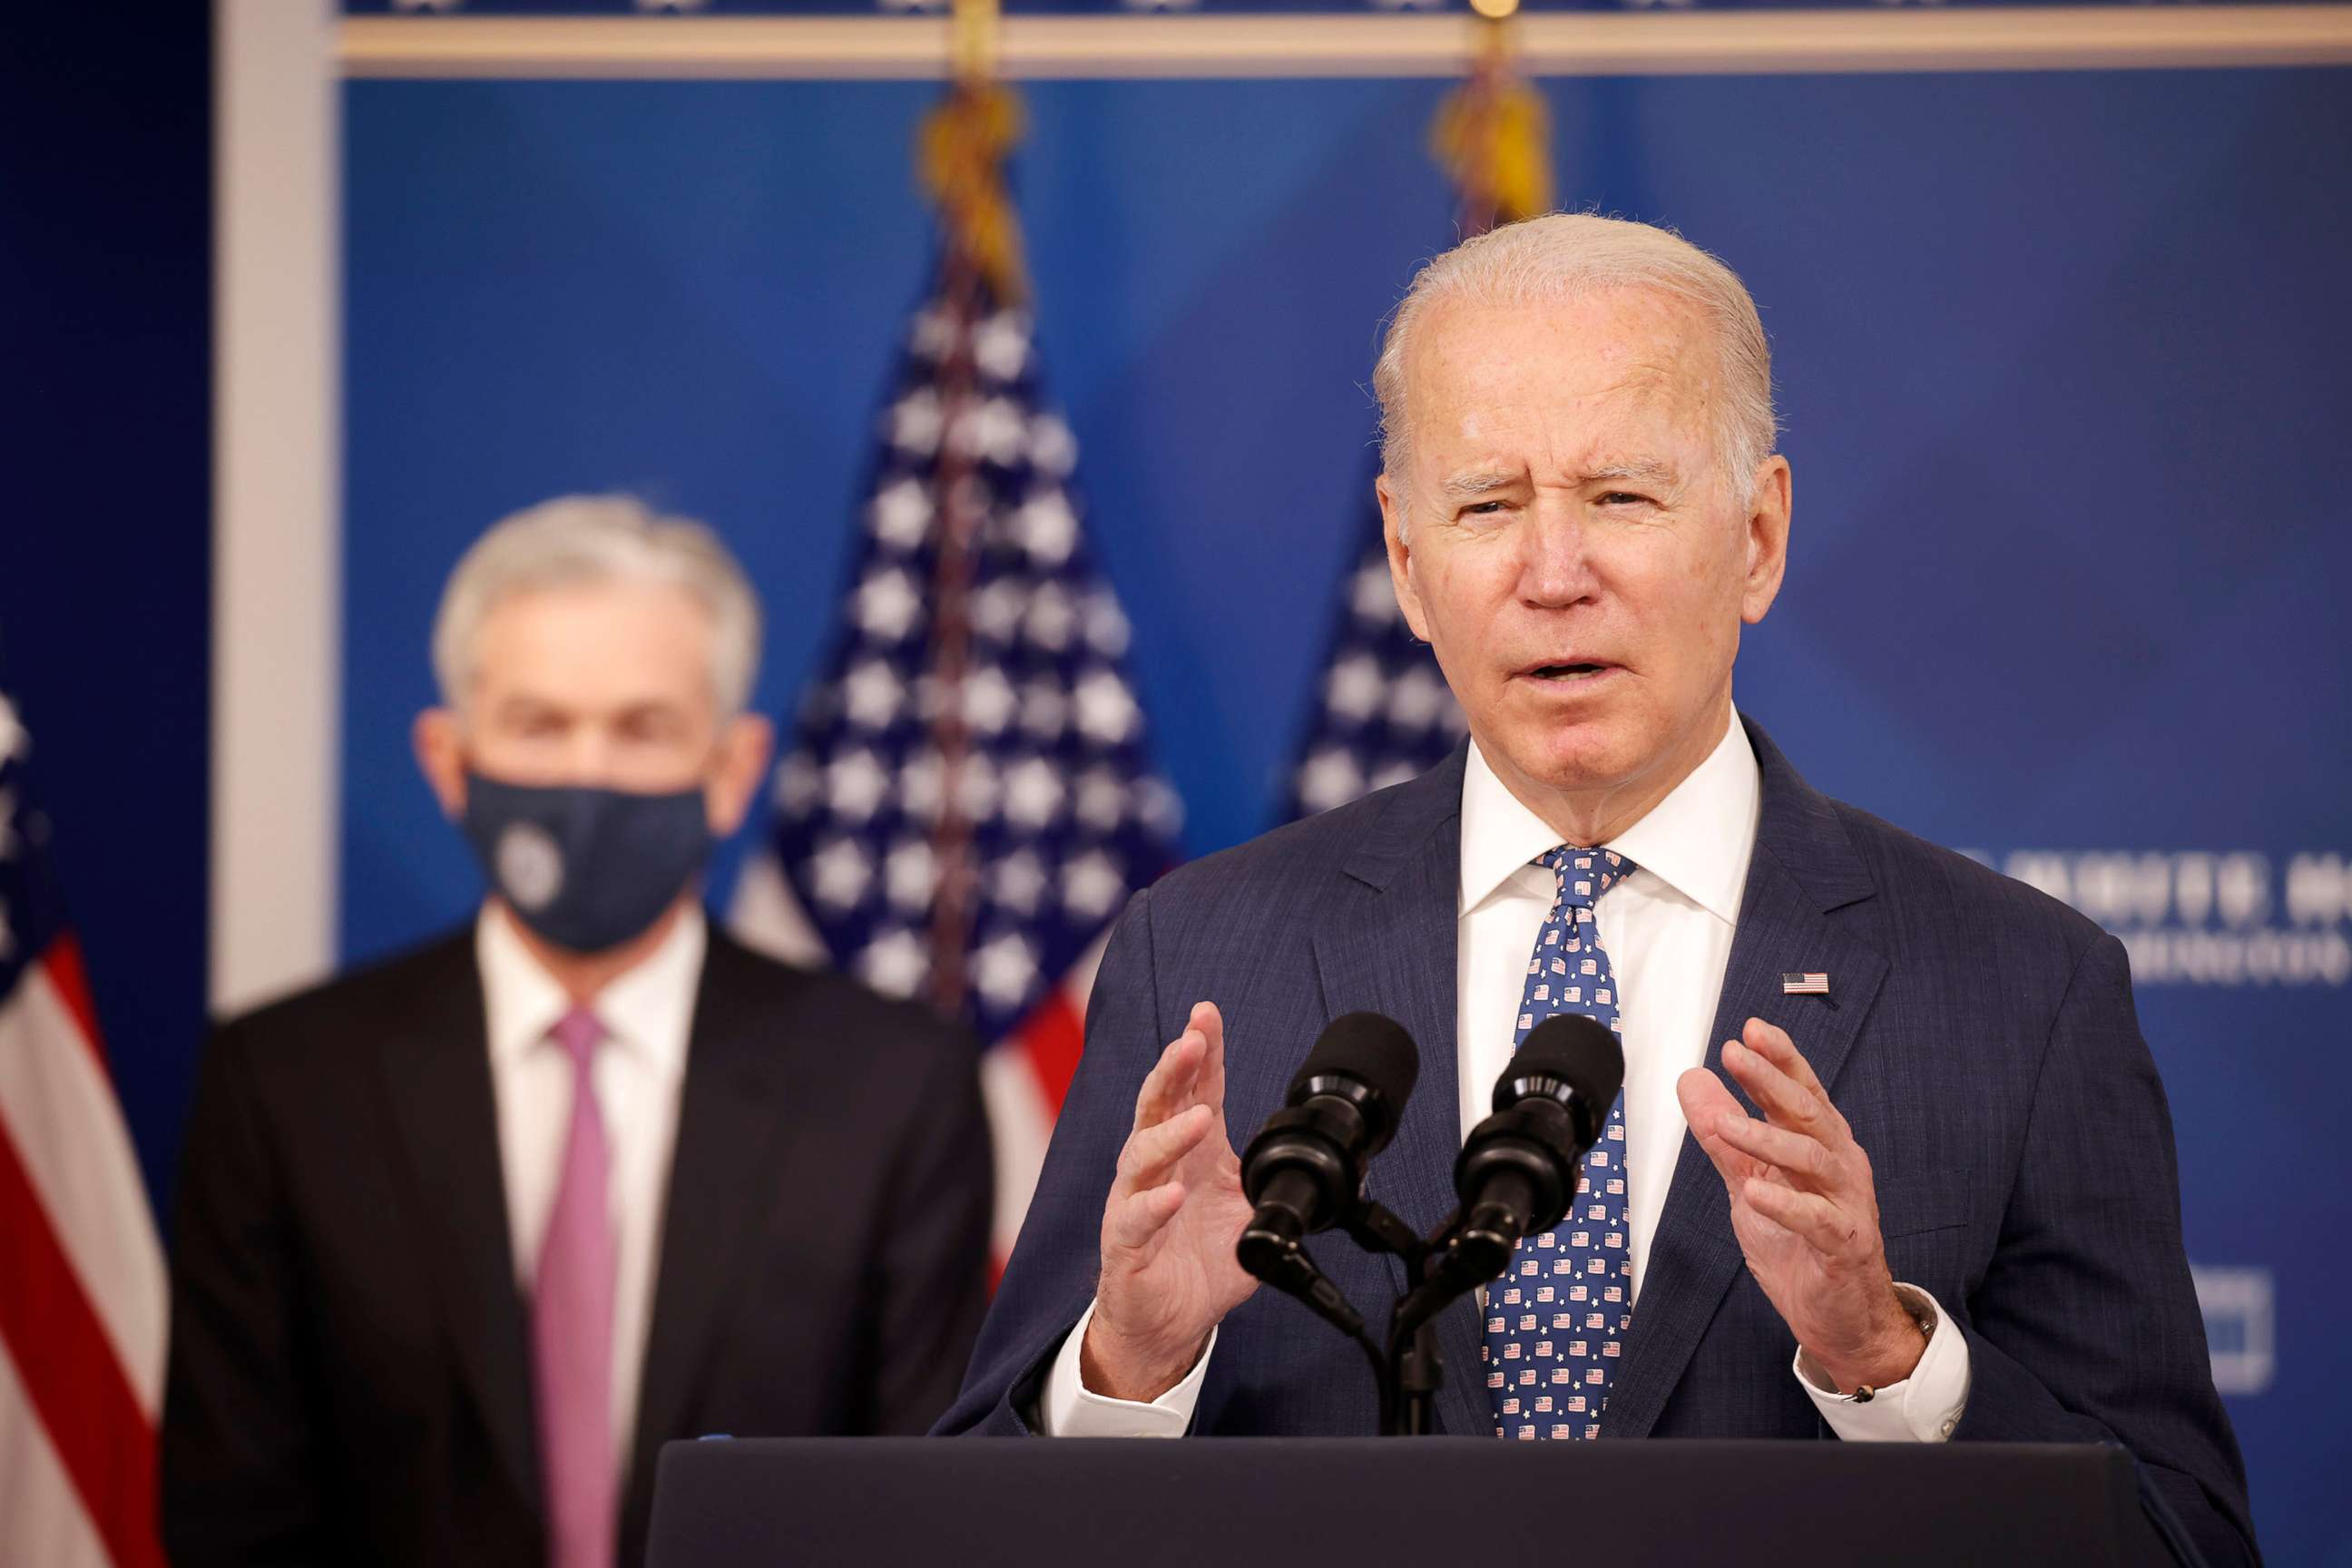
[
  {"x": 647, "y": 1011},
  {"x": 1697, "y": 840}
]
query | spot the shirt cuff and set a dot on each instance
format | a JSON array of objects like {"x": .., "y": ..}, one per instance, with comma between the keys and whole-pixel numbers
[
  {"x": 1921, "y": 1408},
  {"x": 1071, "y": 1409}
]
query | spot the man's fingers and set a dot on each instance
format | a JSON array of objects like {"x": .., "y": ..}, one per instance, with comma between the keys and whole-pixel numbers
[
  {"x": 1210, "y": 1025},
  {"x": 1706, "y": 1103},
  {"x": 1152, "y": 1152},
  {"x": 1780, "y": 1097},
  {"x": 1137, "y": 1219},
  {"x": 1168, "y": 1087},
  {"x": 1809, "y": 1214},
  {"x": 1773, "y": 1044},
  {"x": 1805, "y": 1160}
]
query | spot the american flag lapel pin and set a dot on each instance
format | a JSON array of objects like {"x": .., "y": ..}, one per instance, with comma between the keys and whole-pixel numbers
[{"x": 1808, "y": 984}]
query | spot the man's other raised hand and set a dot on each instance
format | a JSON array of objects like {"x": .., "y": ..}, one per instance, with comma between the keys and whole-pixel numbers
[{"x": 1175, "y": 1210}]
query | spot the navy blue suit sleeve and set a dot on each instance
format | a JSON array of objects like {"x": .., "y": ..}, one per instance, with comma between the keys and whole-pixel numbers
[
  {"x": 2086, "y": 1328},
  {"x": 1055, "y": 1263}
]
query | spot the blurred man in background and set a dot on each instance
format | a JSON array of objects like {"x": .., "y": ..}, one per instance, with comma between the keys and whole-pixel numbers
[{"x": 464, "y": 1238}]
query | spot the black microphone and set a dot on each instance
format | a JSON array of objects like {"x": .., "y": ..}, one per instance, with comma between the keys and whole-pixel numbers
[
  {"x": 1516, "y": 1173},
  {"x": 1305, "y": 1170}
]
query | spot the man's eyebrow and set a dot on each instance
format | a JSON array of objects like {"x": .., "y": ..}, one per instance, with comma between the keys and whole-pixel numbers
[
  {"x": 1471, "y": 487},
  {"x": 1644, "y": 471}
]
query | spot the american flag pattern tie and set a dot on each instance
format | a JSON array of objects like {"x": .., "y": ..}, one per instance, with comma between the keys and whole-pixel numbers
[{"x": 1557, "y": 1316}]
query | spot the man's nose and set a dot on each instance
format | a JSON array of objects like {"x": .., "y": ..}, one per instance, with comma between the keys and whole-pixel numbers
[
  {"x": 1555, "y": 554},
  {"x": 587, "y": 756}
]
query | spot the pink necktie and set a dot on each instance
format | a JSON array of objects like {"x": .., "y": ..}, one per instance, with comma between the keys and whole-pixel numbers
[{"x": 571, "y": 1328}]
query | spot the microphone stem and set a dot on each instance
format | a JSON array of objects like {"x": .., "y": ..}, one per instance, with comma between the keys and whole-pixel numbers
[{"x": 1381, "y": 1381}]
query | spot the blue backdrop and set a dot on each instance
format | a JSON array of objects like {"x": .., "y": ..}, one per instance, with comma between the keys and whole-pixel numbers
[
  {"x": 2062, "y": 358},
  {"x": 105, "y": 559}
]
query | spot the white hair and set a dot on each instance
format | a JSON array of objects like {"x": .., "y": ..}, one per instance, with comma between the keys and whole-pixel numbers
[
  {"x": 577, "y": 540},
  {"x": 1562, "y": 254}
]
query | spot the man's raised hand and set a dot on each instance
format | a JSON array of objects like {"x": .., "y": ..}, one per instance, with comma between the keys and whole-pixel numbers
[
  {"x": 1804, "y": 1207},
  {"x": 1175, "y": 1211}
]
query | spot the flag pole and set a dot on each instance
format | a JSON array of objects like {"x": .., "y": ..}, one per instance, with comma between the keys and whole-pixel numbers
[{"x": 962, "y": 146}]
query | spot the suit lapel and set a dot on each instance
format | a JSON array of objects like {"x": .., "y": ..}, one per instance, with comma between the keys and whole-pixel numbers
[
  {"x": 435, "y": 1068},
  {"x": 1387, "y": 943},
  {"x": 1803, "y": 868},
  {"x": 731, "y": 1112}
]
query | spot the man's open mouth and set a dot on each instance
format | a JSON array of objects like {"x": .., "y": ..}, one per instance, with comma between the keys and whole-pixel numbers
[{"x": 1569, "y": 671}]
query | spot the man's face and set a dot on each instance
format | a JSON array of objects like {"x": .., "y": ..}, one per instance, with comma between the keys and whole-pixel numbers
[
  {"x": 603, "y": 684},
  {"x": 1579, "y": 567}
]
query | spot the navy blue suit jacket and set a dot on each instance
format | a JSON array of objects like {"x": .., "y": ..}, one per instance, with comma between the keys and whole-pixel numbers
[{"x": 1979, "y": 1037}]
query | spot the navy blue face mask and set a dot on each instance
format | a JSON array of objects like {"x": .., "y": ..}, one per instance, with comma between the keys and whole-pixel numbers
[{"x": 585, "y": 869}]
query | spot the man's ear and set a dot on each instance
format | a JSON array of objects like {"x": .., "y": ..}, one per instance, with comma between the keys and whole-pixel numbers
[
  {"x": 1767, "y": 538},
  {"x": 441, "y": 757},
  {"x": 1399, "y": 555},
  {"x": 744, "y": 743}
]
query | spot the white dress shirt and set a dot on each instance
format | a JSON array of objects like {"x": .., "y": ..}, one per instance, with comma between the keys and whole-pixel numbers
[
  {"x": 640, "y": 1066},
  {"x": 1667, "y": 931}
]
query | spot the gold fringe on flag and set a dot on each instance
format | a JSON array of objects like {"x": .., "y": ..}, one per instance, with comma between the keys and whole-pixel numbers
[
  {"x": 959, "y": 158},
  {"x": 1493, "y": 135}
]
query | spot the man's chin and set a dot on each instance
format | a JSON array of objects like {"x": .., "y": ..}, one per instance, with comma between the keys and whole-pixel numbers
[{"x": 1581, "y": 759}]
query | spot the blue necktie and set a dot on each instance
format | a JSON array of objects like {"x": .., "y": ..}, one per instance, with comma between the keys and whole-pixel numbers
[{"x": 1554, "y": 1320}]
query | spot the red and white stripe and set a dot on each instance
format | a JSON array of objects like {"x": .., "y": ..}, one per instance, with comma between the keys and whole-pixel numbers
[
  {"x": 1025, "y": 1080},
  {"x": 83, "y": 1295}
]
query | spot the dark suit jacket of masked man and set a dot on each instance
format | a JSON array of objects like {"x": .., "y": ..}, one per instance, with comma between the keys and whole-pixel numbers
[
  {"x": 1979, "y": 1038},
  {"x": 351, "y": 1357}
]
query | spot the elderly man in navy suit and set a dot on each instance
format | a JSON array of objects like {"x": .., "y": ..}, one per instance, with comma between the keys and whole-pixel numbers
[{"x": 1933, "y": 1199}]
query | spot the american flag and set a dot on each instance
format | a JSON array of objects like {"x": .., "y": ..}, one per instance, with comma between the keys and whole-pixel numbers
[
  {"x": 81, "y": 1276},
  {"x": 968, "y": 801},
  {"x": 1811, "y": 983},
  {"x": 1385, "y": 714}
]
